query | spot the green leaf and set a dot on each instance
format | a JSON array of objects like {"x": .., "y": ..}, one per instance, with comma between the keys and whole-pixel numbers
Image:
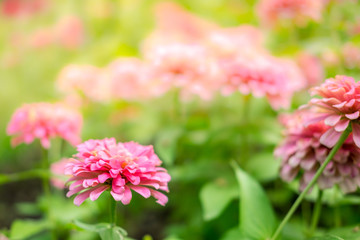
[
  {"x": 215, "y": 196},
  {"x": 23, "y": 229},
  {"x": 330, "y": 237},
  {"x": 165, "y": 144},
  {"x": 257, "y": 218},
  {"x": 105, "y": 230},
  {"x": 264, "y": 167},
  {"x": 234, "y": 234},
  {"x": 92, "y": 227}
]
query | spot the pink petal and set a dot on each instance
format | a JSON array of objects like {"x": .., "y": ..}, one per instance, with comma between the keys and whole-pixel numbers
[
  {"x": 342, "y": 125},
  {"x": 352, "y": 116},
  {"x": 143, "y": 191},
  {"x": 74, "y": 190},
  {"x": 356, "y": 133},
  {"x": 127, "y": 196},
  {"x": 162, "y": 199},
  {"x": 117, "y": 196},
  {"x": 97, "y": 192},
  {"x": 330, "y": 138},
  {"x": 332, "y": 120},
  {"x": 103, "y": 177},
  {"x": 79, "y": 199}
]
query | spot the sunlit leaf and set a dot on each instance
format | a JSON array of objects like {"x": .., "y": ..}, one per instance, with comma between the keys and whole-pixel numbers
[
  {"x": 215, "y": 196},
  {"x": 257, "y": 218}
]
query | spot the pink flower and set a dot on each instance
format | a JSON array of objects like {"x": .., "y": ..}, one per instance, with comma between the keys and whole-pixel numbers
[
  {"x": 299, "y": 11},
  {"x": 20, "y": 8},
  {"x": 225, "y": 42},
  {"x": 338, "y": 106},
  {"x": 45, "y": 121},
  {"x": 104, "y": 164},
  {"x": 57, "y": 169},
  {"x": 302, "y": 153},
  {"x": 87, "y": 80},
  {"x": 129, "y": 79},
  {"x": 262, "y": 75},
  {"x": 311, "y": 68},
  {"x": 188, "y": 67},
  {"x": 351, "y": 55},
  {"x": 69, "y": 32}
]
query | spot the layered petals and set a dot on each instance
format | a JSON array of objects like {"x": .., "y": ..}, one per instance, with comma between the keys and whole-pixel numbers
[{"x": 102, "y": 165}]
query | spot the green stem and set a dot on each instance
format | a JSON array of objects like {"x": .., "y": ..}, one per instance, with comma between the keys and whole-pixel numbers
[
  {"x": 316, "y": 213},
  {"x": 45, "y": 167},
  {"x": 293, "y": 208},
  {"x": 113, "y": 211}
]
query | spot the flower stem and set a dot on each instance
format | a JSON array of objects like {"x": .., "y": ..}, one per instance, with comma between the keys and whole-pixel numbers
[
  {"x": 113, "y": 211},
  {"x": 45, "y": 167},
  {"x": 293, "y": 208},
  {"x": 316, "y": 213}
]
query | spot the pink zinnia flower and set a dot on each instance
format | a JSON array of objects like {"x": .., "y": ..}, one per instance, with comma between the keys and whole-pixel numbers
[
  {"x": 262, "y": 75},
  {"x": 338, "y": 106},
  {"x": 120, "y": 167},
  {"x": 299, "y": 11},
  {"x": 311, "y": 67},
  {"x": 302, "y": 153},
  {"x": 69, "y": 32},
  {"x": 129, "y": 79},
  {"x": 351, "y": 55},
  {"x": 20, "y": 8},
  {"x": 88, "y": 80},
  {"x": 45, "y": 121},
  {"x": 188, "y": 67}
]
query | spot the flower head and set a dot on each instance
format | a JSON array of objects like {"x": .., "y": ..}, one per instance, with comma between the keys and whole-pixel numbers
[
  {"x": 188, "y": 67},
  {"x": 120, "y": 167},
  {"x": 338, "y": 106},
  {"x": 263, "y": 76},
  {"x": 45, "y": 121},
  {"x": 302, "y": 153},
  {"x": 299, "y": 11}
]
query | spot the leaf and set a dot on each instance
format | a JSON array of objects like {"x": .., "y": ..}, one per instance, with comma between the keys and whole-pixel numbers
[
  {"x": 264, "y": 167},
  {"x": 234, "y": 234},
  {"x": 92, "y": 227},
  {"x": 215, "y": 196},
  {"x": 165, "y": 144},
  {"x": 257, "y": 218},
  {"x": 23, "y": 229},
  {"x": 330, "y": 237},
  {"x": 105, "y": 230}
]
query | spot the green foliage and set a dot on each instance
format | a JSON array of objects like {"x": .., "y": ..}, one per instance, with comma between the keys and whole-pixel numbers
[
  {"x": 106, "y": 231},
  {"x": 215, "y": 196},
  {"x": 26, "y": 229},
  {"x": 257, "y": 217}
]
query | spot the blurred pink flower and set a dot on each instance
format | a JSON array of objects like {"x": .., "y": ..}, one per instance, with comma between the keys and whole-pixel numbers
[
  {"x": 298, "y": 11},
  {"x": 69, "y": 32},
  {"x": 88, "y": 80},
  {"x": 226, "y": 42},
  {"x": 59, "y": 178},
  {"x": 41, "y": 38},
  {"x": 45, "y": 121},
  {"x": 188, "y": 67},
  {"x": 173, "y": 20},
  {"x": 302, "y": 153},
  {"x": 22, "y": 8},
  {"x": 120, "y": 167},
  {"x": 129, "y": 79},
  {"x": 351, "y": 55},
  {"x": 311, "y": 67},
  {"x": 262, "y": 75},
  {"x": 338, "y": 106}
]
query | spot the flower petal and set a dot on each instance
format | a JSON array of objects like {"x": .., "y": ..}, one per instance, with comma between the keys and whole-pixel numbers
[
  {"x": 356, "y": 133},
  {"x": 330, "y": 138}
]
